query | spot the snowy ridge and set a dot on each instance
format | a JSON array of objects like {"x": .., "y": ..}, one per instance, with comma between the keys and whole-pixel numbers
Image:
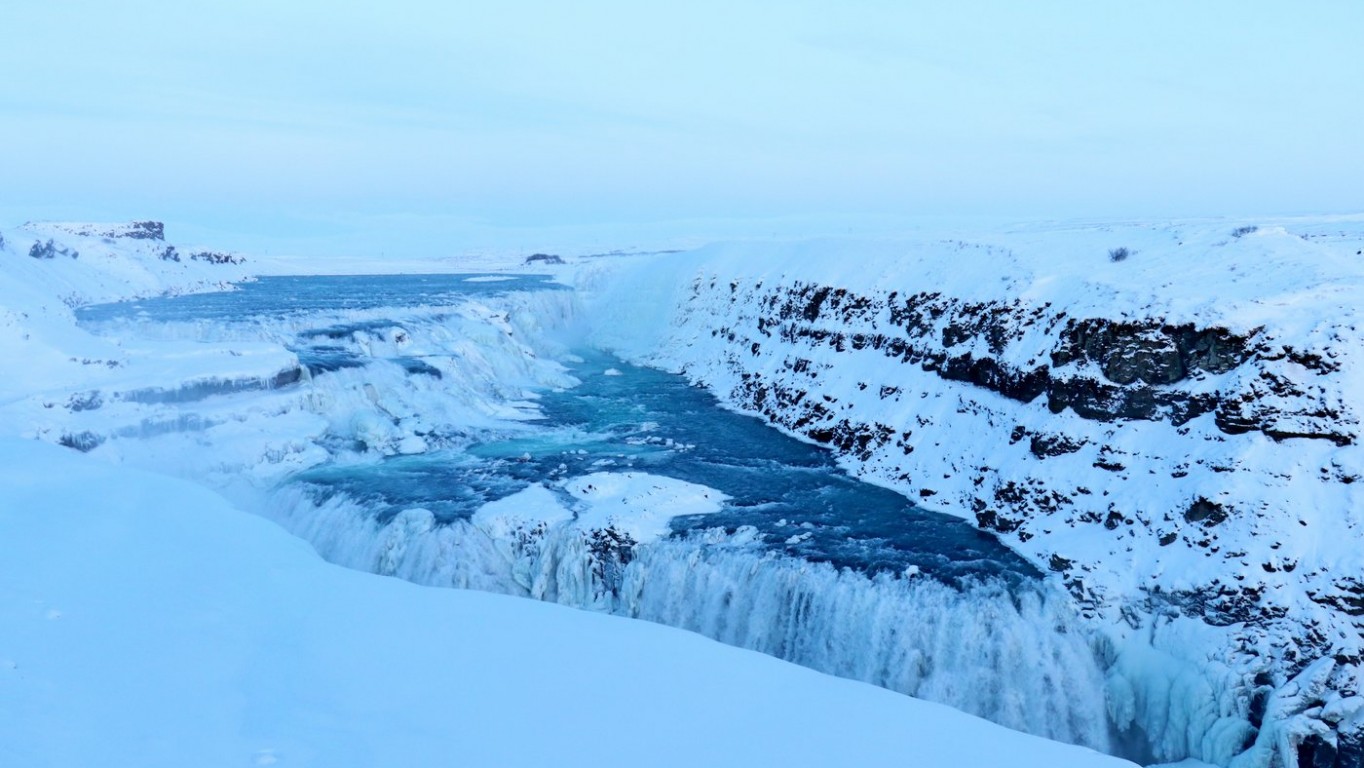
[
  {"x": 1175, "y": 430},
  {"x": 49, "y": 268},
  {"x": 88, "y": 263}
]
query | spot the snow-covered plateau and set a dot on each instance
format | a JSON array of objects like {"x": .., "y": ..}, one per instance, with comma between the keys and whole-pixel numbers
[{"x": 1161, "y": 420}]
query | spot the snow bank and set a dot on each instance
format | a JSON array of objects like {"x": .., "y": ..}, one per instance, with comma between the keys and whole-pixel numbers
[{"x": 148, "y": 623}]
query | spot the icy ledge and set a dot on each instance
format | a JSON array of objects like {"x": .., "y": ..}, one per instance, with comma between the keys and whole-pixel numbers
[{"x": 148, "y": 623}]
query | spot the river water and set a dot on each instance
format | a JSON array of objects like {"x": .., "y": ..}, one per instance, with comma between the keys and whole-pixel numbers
[{"x": 801, "y": 561}]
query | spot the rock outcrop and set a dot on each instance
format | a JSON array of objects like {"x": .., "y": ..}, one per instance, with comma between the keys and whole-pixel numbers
[{"x": 1186, "y": 462}]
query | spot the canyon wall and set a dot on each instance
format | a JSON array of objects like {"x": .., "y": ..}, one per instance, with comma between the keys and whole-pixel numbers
[{"x": 1175, "y": 434}]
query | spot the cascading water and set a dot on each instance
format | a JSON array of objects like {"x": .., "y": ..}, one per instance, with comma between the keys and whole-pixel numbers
[
  {"x": 1016, "y": 656},
  {"x": 427, "y": 413}
]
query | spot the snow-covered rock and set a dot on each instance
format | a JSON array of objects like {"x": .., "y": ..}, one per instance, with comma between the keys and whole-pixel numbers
[{"x": 1175, "y": 432}]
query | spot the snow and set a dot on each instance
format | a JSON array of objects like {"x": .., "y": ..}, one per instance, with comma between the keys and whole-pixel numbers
[
  {"x": 636, "y": 504},
  {"x": 149, "y": 623},
  {"x": 488, "y": 279},
  {"x": 1181, "y": 683},
  {"x": 534, "y": 506},
  {"x": 639, "y": 504},
  {"x": 1289, "y": 283}
]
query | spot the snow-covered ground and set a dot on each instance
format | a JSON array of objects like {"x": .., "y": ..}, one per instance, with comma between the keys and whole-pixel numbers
[
  {"x": 1175, "y": 433},
  {"x": 146, "y": 622}
]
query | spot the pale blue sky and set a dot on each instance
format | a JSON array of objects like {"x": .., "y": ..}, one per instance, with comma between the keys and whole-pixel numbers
[{"x": 363, "y": 125}]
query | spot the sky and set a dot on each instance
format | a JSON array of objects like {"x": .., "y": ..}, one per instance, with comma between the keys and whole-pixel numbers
[{"x": 410, "y": 127}]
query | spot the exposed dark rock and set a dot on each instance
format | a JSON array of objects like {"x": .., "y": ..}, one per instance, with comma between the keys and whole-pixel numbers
[
  {"x": 1316, "y": 752},
  {"x": 1105, "y": 370},
  {"x": 1350, "y": 745},
  {"x": 50, "y": 250},
  {"x": 811, "y": 311},
  {"x": 1044, "y": 446},
  {"x": 146, "y": 230},
  {"x": 1151, "y": 352},
  {"x": 214, "y": 257},
  {"x": 137, "y": 230},
  {"x": 1209, "y": 513},
  {"x": 986, "y": 372},
  {"x": 990, "y": 520},
  {"x": 544, "y": 258},
  {"x": 610, "y": 551},
  {"x": 85, "y": 401},
  {"x": 41, "y": 250},
  {"x": 1347, "y": 596},
  {"x": 82, "y": 441},
  {"x": 1223, "y": 605},
  {"x": 1127, "y": 370}
]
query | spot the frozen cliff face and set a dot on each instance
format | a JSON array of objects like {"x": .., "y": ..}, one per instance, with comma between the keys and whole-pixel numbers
[{"x": 1175, "y": 434}]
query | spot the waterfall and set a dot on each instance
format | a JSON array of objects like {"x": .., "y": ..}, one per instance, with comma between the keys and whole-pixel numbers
[{"x": 1017, "y": 657}]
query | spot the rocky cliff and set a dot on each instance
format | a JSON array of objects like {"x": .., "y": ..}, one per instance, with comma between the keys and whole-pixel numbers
[{"x": 1175, "y": 435}]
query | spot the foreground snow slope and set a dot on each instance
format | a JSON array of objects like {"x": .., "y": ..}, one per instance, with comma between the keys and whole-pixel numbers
[
  {"x": 1168, "y": 416},
  {"x": 147, "y": 623}
]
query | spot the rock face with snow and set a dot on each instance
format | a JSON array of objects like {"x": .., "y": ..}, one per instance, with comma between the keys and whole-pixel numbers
[
  {"x": 86, "y": 263},
  {"x": 1176, "y": 434}
]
